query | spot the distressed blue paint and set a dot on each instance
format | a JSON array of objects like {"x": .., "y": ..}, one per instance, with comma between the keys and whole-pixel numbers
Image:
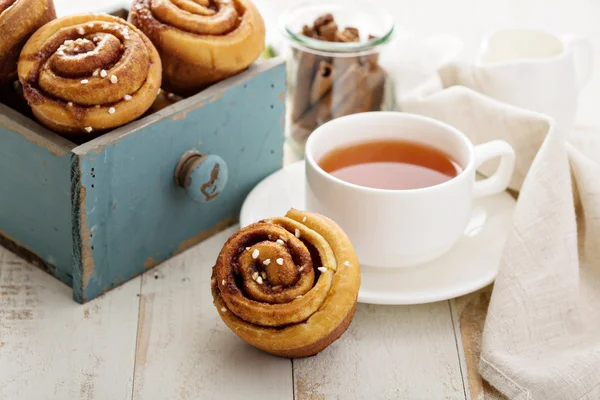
[
  {"x": 213, "y": 170},
  {"x": 35, "y": 201},
  {"x": 135, "y": 212}
]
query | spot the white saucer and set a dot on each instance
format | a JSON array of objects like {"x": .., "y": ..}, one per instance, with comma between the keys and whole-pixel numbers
[{"x": 469, "y": 266}]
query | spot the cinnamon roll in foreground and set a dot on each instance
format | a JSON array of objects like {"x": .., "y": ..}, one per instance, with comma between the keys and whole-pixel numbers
[
  {"x": 200, "y": 41},
  {"x": 287, "y": 285},
  {"x": 18, "y": 20},
  {"x": 87, "y": 73}
]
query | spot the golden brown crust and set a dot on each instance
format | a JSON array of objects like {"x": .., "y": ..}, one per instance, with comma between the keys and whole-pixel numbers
[
  {"x": 322, "y": 343},
  {"x": 88, "y": 73},
  {"x": 200, "y": 44},
  {"x": 287, "y": 285},
  {"x": 19, "y": 19}
]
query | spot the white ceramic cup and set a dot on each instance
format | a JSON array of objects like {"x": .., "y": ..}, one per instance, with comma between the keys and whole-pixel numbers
[
  {"x": 400, "y": 228},
  {"x": 536, "y": 70}
]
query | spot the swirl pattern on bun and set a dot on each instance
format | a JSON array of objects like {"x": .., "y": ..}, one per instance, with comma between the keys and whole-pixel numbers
[
  {"x": 287, "y": 285},
  {"x": 200, "y": 41},
  {"x": 89, "y": 73}
]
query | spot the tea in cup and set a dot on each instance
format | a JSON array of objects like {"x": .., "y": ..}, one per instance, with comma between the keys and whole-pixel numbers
[{"x": 400, "y": 185}]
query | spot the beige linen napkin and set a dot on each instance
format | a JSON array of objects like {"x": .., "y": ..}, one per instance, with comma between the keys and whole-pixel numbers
[{"x": 541, "y": 338}]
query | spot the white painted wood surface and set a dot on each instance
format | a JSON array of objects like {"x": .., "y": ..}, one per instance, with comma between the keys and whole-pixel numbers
[
  {"x": 389, "y": 352},
  {"x": 54, "y": 348},
  {"x": 184, "y": 350}
]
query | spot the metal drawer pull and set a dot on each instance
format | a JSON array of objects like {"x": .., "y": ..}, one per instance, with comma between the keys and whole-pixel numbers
[{"x": 202, "y": 176}]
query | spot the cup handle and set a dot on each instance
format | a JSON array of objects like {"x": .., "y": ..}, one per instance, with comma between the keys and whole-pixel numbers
[
  {"x": 583, "y": 52},
  {"x": 499, "y": 181}
]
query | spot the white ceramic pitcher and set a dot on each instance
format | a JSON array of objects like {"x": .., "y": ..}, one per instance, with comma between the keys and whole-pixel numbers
[{"x": 535, "y": 70}]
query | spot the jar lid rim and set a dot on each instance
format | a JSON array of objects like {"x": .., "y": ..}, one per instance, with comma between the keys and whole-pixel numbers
[{"x": 307, "y": 43}]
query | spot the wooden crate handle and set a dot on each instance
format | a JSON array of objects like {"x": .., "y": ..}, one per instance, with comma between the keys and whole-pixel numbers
[{"x": 203, "y": 177}]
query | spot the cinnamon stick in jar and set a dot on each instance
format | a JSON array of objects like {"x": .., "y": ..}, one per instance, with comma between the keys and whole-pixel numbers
[
  {"x": 322, "y": 82},
  {"x": 302, "y": 75},
  {"x": 348, "y": 90},
  {"x": 376, "y": 86}
]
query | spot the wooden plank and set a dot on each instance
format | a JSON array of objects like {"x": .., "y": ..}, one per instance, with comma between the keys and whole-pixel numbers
[
  {"x": 469, "y": 313},
  {"x": 131, "y": 215},
  {"x": 33, "y": 132},
  {"x": 54, "y": 348},
  {"x": 184, "y": 350},
  {"x": 389, "y": 352},
  {"x": 35, "y": 194}
]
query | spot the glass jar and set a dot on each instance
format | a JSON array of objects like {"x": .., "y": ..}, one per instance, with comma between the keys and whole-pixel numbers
[{"x": 332, "y": 50}]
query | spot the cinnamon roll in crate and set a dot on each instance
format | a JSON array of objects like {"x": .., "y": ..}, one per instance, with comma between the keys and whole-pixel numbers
[
  {"x": 87, "y": 73},
  {"x": 19, "y": 19},
  {"x": 287, "y": 285},
  {"x": 200, "y": 41}
]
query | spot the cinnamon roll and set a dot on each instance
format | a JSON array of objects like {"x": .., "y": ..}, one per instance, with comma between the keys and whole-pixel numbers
[
  {"x": 200, "y": 41},
  {"x": 85, "y": 74},
  {"x": 287, "y": 285},
  {"x": 18, "y": 20}
]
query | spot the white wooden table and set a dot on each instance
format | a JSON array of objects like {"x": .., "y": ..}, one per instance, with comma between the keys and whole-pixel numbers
[{"x": 159, "y": 337}]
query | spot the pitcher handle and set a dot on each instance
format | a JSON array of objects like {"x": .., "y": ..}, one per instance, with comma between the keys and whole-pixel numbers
[{"x": 583, "y": 53}]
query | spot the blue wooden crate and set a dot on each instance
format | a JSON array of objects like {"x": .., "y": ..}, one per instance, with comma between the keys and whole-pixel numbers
[{"x": 97, "y": 214}]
